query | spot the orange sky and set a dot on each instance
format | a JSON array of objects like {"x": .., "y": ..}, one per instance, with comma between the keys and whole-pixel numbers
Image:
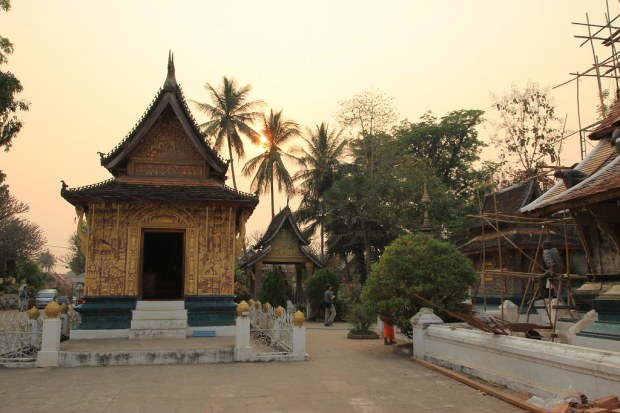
[{"x": 90, "y": 69}]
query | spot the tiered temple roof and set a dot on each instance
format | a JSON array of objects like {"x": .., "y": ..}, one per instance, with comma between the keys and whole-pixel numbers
[{"x": 197, "y": 180}]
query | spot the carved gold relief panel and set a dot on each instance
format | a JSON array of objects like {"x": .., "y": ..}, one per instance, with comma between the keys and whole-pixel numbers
[
  {"x": 114, "y": 254},
  {"x": 216, "y": 256},
  {"x": 107, "y": 252},
  {"x": 166, "y": 150},
  {"x": 285, "y": 245}
]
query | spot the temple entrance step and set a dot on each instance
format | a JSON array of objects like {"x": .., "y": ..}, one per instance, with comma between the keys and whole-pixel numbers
[{"x": 158, "y": 320}]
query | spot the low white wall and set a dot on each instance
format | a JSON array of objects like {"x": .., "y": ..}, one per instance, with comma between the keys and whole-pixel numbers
[{"x": 536, "y": 367}]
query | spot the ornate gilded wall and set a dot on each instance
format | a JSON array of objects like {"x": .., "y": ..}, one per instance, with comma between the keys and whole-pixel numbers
[{"x": 114, "y": 246}]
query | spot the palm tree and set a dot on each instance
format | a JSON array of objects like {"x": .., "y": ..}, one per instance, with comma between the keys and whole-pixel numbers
[
  {"x": 230, "y": 115},
  {"x": 269, "y": 166},
  {"x": 47, "y": 261},
  {"x": 321, "y": 164}
]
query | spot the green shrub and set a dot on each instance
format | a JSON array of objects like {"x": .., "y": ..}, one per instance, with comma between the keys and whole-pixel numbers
[
  {"x": 273, "y": 289},
  {"x": 360, "y": 317},
  {"x": 417, "y": 264},
  {"x": 315, "y": 287}
]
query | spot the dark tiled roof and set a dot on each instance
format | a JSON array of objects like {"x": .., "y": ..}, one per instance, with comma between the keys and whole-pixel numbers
[
  {"x": 509, "y": 200},
  {"x": 274, "y": 227},
  {"x": 115, "y": 190},
  {"x": 602, "y": 183}
]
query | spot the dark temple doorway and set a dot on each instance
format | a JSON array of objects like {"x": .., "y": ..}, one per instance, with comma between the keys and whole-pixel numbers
[{"x": 162, "y": 265}]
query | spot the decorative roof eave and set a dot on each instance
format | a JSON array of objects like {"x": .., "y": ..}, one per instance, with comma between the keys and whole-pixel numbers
[
  {"x": 579, "y": 203},
  {"x": 252, "y": 257},
  {"x": 315, "y": 260},
  {"x": 114, "y": 190},
  {"x": 275, "y": 226},
  {"x": 603, "y": 185},
  {"x": 170, "y": 94}
]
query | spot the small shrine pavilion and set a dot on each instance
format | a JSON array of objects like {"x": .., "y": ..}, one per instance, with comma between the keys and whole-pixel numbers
[
  {"x": 283, "y": 245},
  {"x": 164, "y": 231}
]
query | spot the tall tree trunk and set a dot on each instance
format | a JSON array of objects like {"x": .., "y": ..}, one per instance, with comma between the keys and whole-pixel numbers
[
  {"x": 273, "y": 214},
  {"x": 367, "y": 253},
  {"x": 322, "y": 242},
  {"x": 232, "y": 167}
]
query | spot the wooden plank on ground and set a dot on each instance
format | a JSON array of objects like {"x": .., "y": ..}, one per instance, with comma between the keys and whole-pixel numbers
[{"x": 482, "y": 387}]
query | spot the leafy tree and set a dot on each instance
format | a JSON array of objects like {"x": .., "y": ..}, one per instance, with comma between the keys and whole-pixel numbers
[
  {"x": 368, "y": 116},
  {"x": 366, "y": 213},
  {"x": 75, "y": 260},
  {"x": 529, "y": 132},
  {"x": 315, "y": 287},
  {"x": 351, "y": 220},
  {"x": 46, "y": 260},
  {"x": 231, "y": 114},
  {"x": 417, "y": 264},
  {"x": 10, "y": 86},
  {"x": 321, "y": 163},
  {"x": 450, "y": 146},
  {"x": 368, "y": 113},
  {"x": 30, "y": 273},
  {"x": 269, "y": 166},
  {"x": 273, "y": 289},
  {"x": 19, "y": 239}
]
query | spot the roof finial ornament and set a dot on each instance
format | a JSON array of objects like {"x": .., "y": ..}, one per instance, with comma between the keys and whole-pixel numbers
[
  {"x": 426, "y": 227},
  {"x": 171, "y": 82}
]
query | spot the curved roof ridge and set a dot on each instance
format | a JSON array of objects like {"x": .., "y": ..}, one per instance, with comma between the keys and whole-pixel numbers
[
  {"x": 65, "y": 188},
  {"x": 119, "y": 145},
  {"x": 255, "y": 195}
]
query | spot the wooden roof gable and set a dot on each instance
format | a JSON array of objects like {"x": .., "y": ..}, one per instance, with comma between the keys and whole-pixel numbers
[
  {"x": 283, "y": 217},
  {"x": 169, "y": 97}
]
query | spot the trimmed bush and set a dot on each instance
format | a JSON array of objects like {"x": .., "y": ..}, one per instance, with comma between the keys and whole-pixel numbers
[
  {"x": 273, "y": 289},
  {"x": 417, "y": 264},
  {"x": 315, "y": 288}
]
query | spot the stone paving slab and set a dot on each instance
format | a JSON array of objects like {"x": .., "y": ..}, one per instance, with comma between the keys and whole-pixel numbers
[{"x": 342, "y": 376}]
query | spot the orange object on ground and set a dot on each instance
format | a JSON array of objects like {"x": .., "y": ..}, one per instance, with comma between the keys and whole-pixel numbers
[{"x": 388, "y": 332}]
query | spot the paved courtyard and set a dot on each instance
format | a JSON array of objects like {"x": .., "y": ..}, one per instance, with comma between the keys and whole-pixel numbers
[{"x": 342, "y": 376}]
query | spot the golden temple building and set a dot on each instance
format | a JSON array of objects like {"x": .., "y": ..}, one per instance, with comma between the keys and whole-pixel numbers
[{"x": 165, "y": 227}]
